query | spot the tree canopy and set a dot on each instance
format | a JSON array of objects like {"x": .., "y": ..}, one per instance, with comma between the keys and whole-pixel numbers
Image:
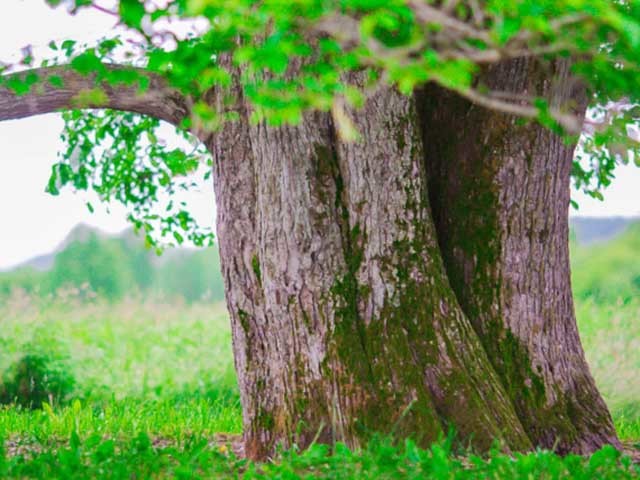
[{"x": 302, "y": 55}]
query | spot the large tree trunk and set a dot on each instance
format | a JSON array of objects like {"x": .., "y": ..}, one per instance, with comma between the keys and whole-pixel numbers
[
  {"x": 344, "y": 323},
  {"x": 344, "y": 318},
  {"x": 500, "y": 195}
]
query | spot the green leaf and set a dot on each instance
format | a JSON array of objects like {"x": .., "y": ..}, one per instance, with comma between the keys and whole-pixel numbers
[
  {"x": 132, "y": 12},
  {"x": 21, "y": 85},
  {"x": 87, "y": 62},
  {"x": 68, "y": 46},
  {"x": 56, "y": 81}
]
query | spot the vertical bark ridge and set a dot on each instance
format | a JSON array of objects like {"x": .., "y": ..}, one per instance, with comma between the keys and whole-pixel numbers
[
  {"x": 280, "y": 227},
  {"x": 500, "y": 195},
  {"x": 415, "y": 333},
  {"x": 301, "y": 254},
  {"x": 235, "y": 184}
]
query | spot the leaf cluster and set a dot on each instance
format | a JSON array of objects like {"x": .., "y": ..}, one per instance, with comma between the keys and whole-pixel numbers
[
  {"x": 290, "y": 57},
  {"x": 119, "y": 156}
]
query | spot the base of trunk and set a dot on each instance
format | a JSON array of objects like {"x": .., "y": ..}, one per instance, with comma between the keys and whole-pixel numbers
[{"x": 500, "y": 195}]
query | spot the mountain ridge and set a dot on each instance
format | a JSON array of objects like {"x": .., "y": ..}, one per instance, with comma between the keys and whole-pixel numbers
[
  {"x": 586, "y": 230},
  {"x": 81, "y": 233}
]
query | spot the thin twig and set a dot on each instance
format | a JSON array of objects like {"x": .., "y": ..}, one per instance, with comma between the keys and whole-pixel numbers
[
  {"x": 102, "y": 9},
  {"x": 571, "y": 123}
]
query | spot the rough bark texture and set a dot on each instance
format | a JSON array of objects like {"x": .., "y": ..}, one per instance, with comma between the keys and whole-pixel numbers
[
  {"x": 343, "y": 320},
  {"x": 412, "y": 326},
  {"x": 500, "y": 194}
]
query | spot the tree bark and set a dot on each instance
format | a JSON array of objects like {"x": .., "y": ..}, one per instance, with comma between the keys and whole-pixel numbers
[
  {"x": 500, "y": 194},
  {"x": 343, "y": 320}
]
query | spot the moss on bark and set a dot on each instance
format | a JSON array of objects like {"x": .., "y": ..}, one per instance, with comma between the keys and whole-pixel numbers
[{"x": 499, "y": 194}]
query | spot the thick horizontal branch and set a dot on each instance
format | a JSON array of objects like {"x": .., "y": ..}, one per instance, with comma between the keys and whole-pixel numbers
[{"x": 62, "y": 88}]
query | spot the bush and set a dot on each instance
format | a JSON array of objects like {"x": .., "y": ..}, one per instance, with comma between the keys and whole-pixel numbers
[{"x": 36, "y": 378}]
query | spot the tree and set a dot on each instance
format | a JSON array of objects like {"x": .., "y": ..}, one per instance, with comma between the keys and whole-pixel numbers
[
  {"x": 393, "y": 234},
  {"x": 98, "y": 263}
]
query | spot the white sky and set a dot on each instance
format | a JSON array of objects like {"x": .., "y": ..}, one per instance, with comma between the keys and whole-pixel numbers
[{"x": 33, "y": 222}]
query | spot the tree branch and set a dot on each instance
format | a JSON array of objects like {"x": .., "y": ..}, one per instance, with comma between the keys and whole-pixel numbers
[
  {"x": 571, "y": 123},
  {"x": 62, "y": 88},
  {"x": 102, "y": 9}
]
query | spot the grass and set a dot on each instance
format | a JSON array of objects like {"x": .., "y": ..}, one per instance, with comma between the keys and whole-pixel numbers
[
  {"x": 154, "y": 384},
  {"x": 151, "y": 385},
  {"x": 165, "y": 419},
  {"x": 166, "y": 370},
  {"x": 195, "y": 458},
  {"x": 611, "y": 338},
  {"x": 606, "y": 286}
]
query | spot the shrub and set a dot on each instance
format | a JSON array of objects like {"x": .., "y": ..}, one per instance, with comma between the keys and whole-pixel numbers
[{"x": 36, "y": 378}]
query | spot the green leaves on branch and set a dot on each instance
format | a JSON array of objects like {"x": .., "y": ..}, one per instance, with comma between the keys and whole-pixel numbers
[
  {"x": 309, "y": 47},
  {"x": 611, "y": 137},
  {"x": 118, "y": 156},
  {"x": 294, "y": 56}
]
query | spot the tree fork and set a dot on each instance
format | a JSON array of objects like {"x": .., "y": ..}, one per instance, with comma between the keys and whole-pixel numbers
[
  {"x": 403, "y": 283},
  {"x": 500, "y": 196}
]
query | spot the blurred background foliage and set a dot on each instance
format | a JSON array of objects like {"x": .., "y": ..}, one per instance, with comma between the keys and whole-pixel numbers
[
  {"x": 608, "y": 271},
  {"x": 605, "y": 263},
  {"x": 90, "y": 264}
]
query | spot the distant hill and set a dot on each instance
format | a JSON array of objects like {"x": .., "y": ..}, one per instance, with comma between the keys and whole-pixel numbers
[
  {"x": 79, "y": 233},
  {"x": 586, "y": 230},
  {"x": 82, "y": 232},
  {"x": 589, "y": 230},
  {"x": 115, "y": 266}
]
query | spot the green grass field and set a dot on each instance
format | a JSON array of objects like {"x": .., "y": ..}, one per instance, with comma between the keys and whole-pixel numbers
[
  {"x": 166, "y": 370},
  {"x": 146, "y": 389},
  {"x": 611, "y": 338},
  {"x": 606, "y": 285}
]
